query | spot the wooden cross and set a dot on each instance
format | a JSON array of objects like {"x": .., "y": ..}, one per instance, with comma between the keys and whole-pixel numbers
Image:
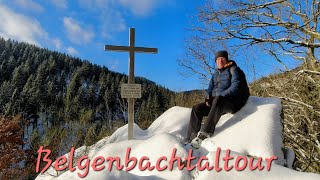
[{"x": 131, "y": 49}]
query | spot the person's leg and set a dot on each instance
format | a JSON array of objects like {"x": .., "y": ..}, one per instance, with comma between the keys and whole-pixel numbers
[
  {"x": 197, "y": 113},
  {"x": 220, "y": 106}
]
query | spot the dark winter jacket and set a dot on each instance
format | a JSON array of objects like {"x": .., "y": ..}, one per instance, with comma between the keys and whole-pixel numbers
[{"x": 229, "y": 81}]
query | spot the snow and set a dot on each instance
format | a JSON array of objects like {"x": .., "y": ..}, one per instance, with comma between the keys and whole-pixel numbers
[
  {"x": 255, "y": 130},
  {"x": 138, "y": 150},
  {"x": 277, "y": 172}
]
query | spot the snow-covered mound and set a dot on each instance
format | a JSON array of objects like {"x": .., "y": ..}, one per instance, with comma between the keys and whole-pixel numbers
[
  {"x": 277, "y": 172},
  {"x": 254, "y": 131},
  {"x": 174, "y": 121}
]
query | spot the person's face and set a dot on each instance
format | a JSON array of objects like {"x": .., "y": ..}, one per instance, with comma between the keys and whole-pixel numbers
[{"x": 221, "y": 61}]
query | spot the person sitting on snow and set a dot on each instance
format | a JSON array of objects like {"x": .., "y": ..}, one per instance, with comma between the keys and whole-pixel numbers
[{"x": 228, "y": 92}]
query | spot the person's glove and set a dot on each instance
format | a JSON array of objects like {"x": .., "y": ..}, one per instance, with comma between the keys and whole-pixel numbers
[{"x": 208, "y": 100}]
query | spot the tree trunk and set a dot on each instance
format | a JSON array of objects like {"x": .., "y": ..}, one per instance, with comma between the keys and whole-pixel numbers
[{"x": 312, "y": 59}]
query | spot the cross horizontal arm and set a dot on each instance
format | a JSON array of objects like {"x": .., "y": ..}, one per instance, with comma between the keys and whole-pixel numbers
[
  {"x": 116, "y": 48},
  {"x": 146, "y": 50},
  {"x": 127, "y": 49}
]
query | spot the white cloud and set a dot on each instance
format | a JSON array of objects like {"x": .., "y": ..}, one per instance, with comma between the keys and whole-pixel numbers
[
  {"x": 111, "y": 17},
  {"x": 89, "y": 4},
  {"x": 23, "y": 28},
  {"x": 20, "y": 27},
  {"x": 62, "y": 4},
  {"x": 112, "y": 21},
  {"x": 57, "y": 43},
  {"x": 112, "y": 13},
  {"x": 136, "y": 7},
  {"x": 141, "y": 7},
  {"x": 72, "y": 51},
  {"x": 114, "y": 65},
  {"x": 75, "y": 33},
  {"x": 29, "y": 4}
]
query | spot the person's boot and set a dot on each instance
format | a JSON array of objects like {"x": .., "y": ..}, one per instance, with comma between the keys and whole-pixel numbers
[{"x": 196, "y": 142}]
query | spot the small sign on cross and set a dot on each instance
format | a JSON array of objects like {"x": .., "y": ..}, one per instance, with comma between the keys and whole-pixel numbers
[
  {"x": 131, "y": 49},
  {"x": 130, "y": 90}
]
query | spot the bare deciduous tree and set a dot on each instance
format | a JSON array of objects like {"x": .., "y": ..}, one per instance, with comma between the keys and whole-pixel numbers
[
  {"x": 288, "y": 31},
  {"x": 280, "y": 28},
  {"x": 299, "y": 91}
]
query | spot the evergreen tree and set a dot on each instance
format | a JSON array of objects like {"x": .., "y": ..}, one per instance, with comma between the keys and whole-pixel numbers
[
  {"x": 91, "y": 136},
  {"x": 64, "y": 91}
]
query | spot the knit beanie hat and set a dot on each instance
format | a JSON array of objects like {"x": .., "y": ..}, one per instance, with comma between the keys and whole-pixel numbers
[{"x": 221, "y": 54}]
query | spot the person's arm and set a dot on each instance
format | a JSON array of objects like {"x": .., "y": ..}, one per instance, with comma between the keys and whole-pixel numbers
[
  {"x": 210, "y": 88},
  {"x": 208, "y": 98},
  {"x": 235, "y": 82}
]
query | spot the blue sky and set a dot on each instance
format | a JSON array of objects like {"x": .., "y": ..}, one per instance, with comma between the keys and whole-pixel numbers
[{"x": 82, "y": 28}]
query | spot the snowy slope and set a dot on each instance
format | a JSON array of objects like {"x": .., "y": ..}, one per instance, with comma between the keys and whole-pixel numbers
[
  {"x": 277, "y": 172},
  {"x": 255, "y": 130}
]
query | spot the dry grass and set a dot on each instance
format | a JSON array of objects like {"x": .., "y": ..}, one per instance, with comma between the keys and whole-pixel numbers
[{"x": 299, "y": 91}]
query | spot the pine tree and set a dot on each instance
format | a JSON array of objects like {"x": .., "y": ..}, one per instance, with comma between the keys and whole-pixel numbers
[
  {"x": 19, "y": 78},
  {"x": 91, "y": 136},
  {"x": 110, "y": 100},
  {"x": 155, "y": 107},
  {"x": 62, "y": 89},
  {"x": 6, "y": 91}
]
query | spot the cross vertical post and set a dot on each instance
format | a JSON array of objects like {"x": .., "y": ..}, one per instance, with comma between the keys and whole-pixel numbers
[
  {"x": 131, "y": 49},
  {"x": 131, "y": 81}
]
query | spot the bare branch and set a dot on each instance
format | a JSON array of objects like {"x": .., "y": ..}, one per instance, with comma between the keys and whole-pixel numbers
[
  {"x": 309, "y": 71},
  {"x": 299, "y": 102}
]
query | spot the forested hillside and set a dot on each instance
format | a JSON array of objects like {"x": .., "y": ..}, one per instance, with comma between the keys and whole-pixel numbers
[
  {"x": 58, "y": 101},
  {"x": 65, "y": 101}
]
